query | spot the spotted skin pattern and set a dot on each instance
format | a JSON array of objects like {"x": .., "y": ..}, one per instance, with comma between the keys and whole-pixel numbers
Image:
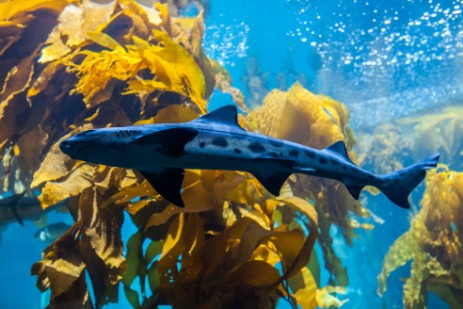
[{"x": 216, "y": 141}]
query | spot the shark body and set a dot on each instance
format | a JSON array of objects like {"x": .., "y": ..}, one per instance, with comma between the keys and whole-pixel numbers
[
  {"x": 161, "y": 152},
  {"x": 19, "y": 207}
]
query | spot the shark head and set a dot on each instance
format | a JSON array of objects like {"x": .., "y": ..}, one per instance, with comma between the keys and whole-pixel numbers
[{"x": 102, "y": 146}]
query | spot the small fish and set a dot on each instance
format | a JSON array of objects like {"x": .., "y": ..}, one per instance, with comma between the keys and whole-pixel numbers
[
  {"x": 161, "y": 152},
  {"x": 51, "y": 232}
]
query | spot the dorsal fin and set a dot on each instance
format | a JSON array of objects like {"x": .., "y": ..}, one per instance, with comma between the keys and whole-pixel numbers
[
  {"x": 227, "y": 114},
  {"x": 339, "y": 148}
]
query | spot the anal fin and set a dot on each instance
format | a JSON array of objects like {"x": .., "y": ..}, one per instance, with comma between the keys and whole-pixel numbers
[
  {"x": 168, "y": 183},
  {"x": 354, "y": 190}
]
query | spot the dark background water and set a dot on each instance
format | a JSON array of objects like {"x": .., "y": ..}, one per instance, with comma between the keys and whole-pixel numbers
[{"x": 382, "y": 58}]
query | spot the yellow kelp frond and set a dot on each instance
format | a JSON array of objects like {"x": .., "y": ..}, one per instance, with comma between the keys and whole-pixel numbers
[
  {"x": 384, "y": 151},
  {"x": 104, "y": 44},
  {"x": 441, "y": 132},
  {"x": 303, "y": 117},
  {"x": 173, "y": 67},
  {"x": 221, "y": 271},
  {"x": 74, "y": 25},
  {"x": 434, "y": 243},
  {"x": 316, "y": 121},
  {"x": 174, "y": 70},
  {"x": 326, "y": 300},
  {"x": 11, "y": 9},
  {"x": 231, "y": 255}
]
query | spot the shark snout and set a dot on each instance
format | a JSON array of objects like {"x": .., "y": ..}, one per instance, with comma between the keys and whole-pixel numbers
[
  {"x": 69, "y": 148},
  {"x": 65, "y": 146}
]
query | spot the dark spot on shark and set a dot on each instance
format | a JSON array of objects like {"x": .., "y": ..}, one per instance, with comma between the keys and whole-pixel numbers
[
  {"x": 202, "y": 144},
  {"x": 273, "y": 154},
  {"x": 344, "y": 167},
  {"x": 294, "y": 153},
  {"x": 236, "y": 150},
  {"x": 310, "y": 154},
  {"x": 322, "y": 160},
  {"x": 276, "y": 144},
  {"x": 256, "y": 147},
  {"x": 220, "y": 141}
]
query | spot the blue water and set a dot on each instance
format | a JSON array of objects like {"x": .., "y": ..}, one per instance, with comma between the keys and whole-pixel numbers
[{"x": 383, "y": 59}]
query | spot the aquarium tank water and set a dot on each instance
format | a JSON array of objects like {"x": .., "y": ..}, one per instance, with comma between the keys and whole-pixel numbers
[{"x": 338, "y": 183}]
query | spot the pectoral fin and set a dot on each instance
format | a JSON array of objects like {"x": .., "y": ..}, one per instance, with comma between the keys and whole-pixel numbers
[
  {"x": 272, "y": 182},
  {"x": 272, "y": 172},
  {"x": 14, "y": 209},
  {"x": 168, "y": 183}
]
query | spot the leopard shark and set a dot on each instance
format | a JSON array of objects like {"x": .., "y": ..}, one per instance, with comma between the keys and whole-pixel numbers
[{"x": 161, "y": 153}]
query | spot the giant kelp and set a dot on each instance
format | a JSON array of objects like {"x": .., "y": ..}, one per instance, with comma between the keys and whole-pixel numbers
[
  {"x": 384, "y": 149},
  {"x": 315, "y": 121},
  {"x": 438, "y": 131},
  {"x": 120, "y": 63},
  {"x": 433, "y": 243}
]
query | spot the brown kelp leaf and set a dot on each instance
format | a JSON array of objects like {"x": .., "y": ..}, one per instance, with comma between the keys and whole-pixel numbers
[
  {"x": 74, "y": 24},
  {"x": 16, "y": 82},
  {"x": 62, "y": 270},
  {"x": 305, "y": 252},
  {"x": 17, "y": 79},
  {"x": 101, "y": 245},
  {"x": 161, "y": 217},
  {"x": 28, "y": 146},
  {"x": 217, "y": 247},
  {"x": 56, "y": 164},
  {"x": 255, "y": 273},
  {"x": 79, "y": 180}
]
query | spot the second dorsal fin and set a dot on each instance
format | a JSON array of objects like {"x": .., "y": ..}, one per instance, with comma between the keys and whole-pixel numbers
[
  {"x": 227, "y": 114},
  {"x": 339, "y": 148}
]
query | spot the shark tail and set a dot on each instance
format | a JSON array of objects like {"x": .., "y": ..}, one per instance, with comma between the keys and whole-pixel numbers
[{"x": 398, "y": 185}]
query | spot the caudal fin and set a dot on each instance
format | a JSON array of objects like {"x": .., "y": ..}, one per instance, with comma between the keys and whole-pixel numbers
[{"x": 398, "y": 185}]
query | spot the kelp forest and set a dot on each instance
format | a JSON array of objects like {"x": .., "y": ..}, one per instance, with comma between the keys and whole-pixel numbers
[{"x": 67, "y": 66}]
